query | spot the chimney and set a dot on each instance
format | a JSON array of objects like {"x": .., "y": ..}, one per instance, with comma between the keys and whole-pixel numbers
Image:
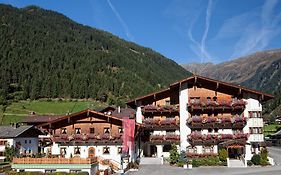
[{"x": 119, "y": 109}]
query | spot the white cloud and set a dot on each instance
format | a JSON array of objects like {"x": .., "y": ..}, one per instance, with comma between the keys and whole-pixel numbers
[
  {"x": 200, "y": 48},
  {"x": 252, "y": 30},
  {"x": 122, "y": 22}
]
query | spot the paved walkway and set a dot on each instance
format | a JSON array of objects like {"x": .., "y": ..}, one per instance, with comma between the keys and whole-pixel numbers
[{"x": 168, "y": 170}]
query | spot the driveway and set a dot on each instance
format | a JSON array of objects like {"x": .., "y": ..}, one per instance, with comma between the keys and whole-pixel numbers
[{"x": 275, "y": 153}]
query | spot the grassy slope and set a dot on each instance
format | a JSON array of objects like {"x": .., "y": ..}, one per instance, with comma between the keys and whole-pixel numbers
[
  {"x": 17, "y": 111},
  {"x": 270, "y": 129}
]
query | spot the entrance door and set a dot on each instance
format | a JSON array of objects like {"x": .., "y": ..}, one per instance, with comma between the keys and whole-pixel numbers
[{"x": 91, "y": 152}]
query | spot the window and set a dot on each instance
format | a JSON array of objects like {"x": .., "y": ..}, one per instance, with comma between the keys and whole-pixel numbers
[
  {"x": 63, "y": 151},
  {"x": 106, "y": 130},
  {"x": 167, "y": 102},
  {"x": 210, "y": 130},
  {"x": 78, "y": 130},
  {"x": 208, "y": 149},
  {"x": 119, "y": 150},
  {"x": 170, "y": 131},
  {"x": 92, "y": 130},
  {"x": 255, "y": 114},
  {"x": 29, "y": 141},
  {"x": 74, "y": 171},
  {"x": 120, "y": 130},
  {"x": 3, "y": 142},
  {"x": 63, "y": 131},
  {"x": 106, "y": 150},
  {"x": 216, "y": 130},
  {"x": 256, "y": 130},
  {"x": 2, "y": 154},
  {"x": 192, "y": 150},
  {"x": 25, "y": 141},
  {"x": 167, "y": 148},
  {"x": 215, "y": 98},
  {"x": 77, "y": 150},
  {"x": 50, "y": 171}
]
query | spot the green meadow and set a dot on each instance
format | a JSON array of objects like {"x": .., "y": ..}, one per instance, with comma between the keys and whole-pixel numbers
[{"x": 17, "y": 111}]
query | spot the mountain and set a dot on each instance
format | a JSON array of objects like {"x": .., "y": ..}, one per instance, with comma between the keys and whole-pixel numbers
[
  {"x": 44, "y": 54},
  {"x": 261, "y": 71}
]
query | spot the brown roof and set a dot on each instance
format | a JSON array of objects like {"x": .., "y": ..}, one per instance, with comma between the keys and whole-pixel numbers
[
  {"x": 82, "y": 112},
  {"x": 41, "y": 118},
  {"x": 209, "y": 83},
  {"x": 124, "y": 112}
]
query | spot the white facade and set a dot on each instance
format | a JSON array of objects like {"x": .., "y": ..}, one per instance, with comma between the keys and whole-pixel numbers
[
  {"x": 114, "y": 156},
  {"x": 26, "y": 145},
  {"x": 184, "y": 129}
]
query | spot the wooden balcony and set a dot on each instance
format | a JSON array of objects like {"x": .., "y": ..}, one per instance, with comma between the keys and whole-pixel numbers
[
  {"x": 214, "y": 139},
  {"x": 205, "y": 105},
  {"x": 57, "y": 160},
  {"x": 227, "y": 122},
  {"x": 157, "y": 123},
  {"x": 157, "y": 110},
  {"x": 169, "y": 138},
  {"x": 84, "y": 139}
]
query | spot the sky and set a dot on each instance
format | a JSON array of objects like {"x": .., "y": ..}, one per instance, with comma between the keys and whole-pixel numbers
[{"x": 186, "y": 31}]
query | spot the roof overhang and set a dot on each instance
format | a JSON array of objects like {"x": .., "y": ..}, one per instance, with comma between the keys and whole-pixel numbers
[{"x": 204, "y": 82}]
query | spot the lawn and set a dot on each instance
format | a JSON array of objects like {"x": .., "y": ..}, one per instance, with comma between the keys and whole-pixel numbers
[
  {"x": 270, "y": 129},
  {"x": 17, "y": 111}
]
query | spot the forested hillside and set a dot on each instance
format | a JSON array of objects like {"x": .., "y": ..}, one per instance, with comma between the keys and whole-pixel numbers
[{"x": 44, "y": 54}]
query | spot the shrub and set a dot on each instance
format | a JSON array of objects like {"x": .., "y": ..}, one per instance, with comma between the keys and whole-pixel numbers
[
  {"x": 182, "y": 159},
  {"x": 174, "y": 155},
  {"x": 264, "y": 154},
  {"x": 256, "y": 159},
  {"x": 249, "y": 163},
  {"x": 263, "y": 162},
  {"x": 223, "y": 155},
  {"x": 208, "y": 161}
]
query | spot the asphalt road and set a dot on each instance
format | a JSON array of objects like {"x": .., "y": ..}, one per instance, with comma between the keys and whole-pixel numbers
[{"x": 274, "y": 152}]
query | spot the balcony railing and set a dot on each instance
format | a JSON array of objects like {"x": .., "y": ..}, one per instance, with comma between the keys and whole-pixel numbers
[
  {"x": 57, "y": 160},
  {"x": 198, "y": 138},
  {"x": 162, "y": 138},
  {"x": 160, "y": 109},
  {"x": 87, "y": 137},
  {"x": 234, "y": 121},
  {"x": 157, "y": 122},
  {"x": 219, "y": 104}
]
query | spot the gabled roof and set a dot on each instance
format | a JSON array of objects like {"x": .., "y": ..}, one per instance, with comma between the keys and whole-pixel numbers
[
  {"x": 208, "y": 83},
  {"x": 86, "y": 111},
  {"x": 13, "y": 131}
]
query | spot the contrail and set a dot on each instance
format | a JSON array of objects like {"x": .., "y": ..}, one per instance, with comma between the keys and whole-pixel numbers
[
  {"x": 204, "y": 37},
  {"x": 124, "y": 25}
]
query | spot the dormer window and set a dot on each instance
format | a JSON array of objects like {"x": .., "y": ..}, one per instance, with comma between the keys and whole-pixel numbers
[
  {"x": 63, "y": 131},
  {"x": 77, "y": 130},
  {"x": 167, "y": 103}
]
